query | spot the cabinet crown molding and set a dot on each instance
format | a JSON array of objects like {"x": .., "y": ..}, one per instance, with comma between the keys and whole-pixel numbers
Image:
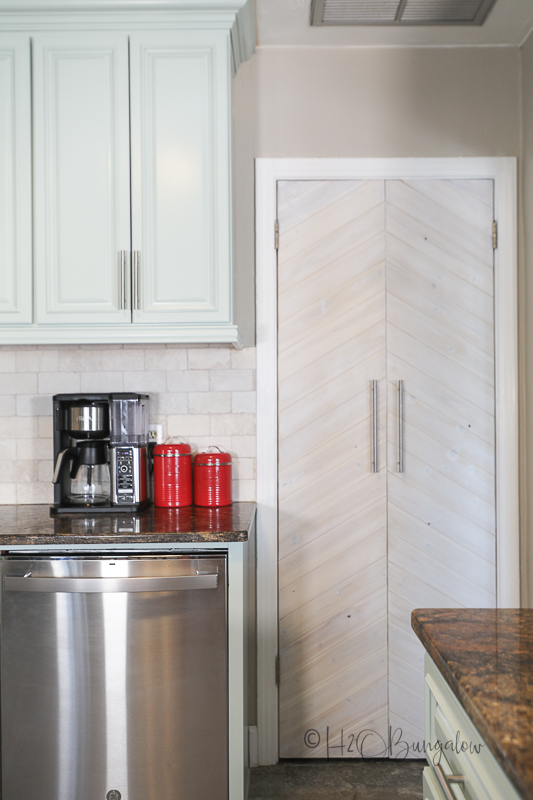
[
  {"x": 18, "y": 6},
  {"x": 235, "y": 16}
]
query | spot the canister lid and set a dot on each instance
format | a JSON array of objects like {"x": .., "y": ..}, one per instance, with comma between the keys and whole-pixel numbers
[
  {"x": 172, "y": 449},
  {"x": 210, "y": 458}
]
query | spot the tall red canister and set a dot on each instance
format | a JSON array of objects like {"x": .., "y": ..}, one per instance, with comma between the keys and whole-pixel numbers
[
  {"x": 212, "y": 478},
  {"x": 172, "y": 475}
]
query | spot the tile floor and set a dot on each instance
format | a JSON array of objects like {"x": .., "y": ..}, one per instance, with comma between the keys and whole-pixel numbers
[{"x": 335, "y": 780}]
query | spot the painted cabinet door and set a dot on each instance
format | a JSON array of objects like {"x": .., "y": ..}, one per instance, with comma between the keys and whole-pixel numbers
[
  {"x": 81, "y": 176},
  {"x": 16, "y": 291},
  {"x": 180, "y": 139}
]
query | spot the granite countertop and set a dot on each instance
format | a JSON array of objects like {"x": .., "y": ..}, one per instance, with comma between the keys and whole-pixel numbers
[
  {"x": 32, "y": 525},
  {"x": 486, "y": 657}
]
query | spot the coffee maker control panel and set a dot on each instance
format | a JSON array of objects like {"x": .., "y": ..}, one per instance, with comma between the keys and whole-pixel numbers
[
  {"x": 128, "y": 474},
  {"x": 125, "y": 487}
]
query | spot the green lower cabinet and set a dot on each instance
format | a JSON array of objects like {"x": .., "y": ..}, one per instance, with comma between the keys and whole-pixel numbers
[
  {"x": 431, "y": 790},
  {"x": 461, "y": 766}
]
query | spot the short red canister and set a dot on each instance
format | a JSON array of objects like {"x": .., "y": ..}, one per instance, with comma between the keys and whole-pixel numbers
[
  {"x": 172, "y": 475},
  {"x": 212, "y": 478}
]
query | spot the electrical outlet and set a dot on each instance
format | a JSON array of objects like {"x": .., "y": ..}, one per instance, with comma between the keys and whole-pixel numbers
[{"x": 155, "y": 434}]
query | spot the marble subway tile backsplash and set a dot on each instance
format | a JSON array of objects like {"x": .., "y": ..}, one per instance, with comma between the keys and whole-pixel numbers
[{"x": 205, "y": 394}]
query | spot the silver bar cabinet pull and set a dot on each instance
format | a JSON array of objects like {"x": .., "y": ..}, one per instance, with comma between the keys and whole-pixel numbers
[
  {"x": 374, "y": 426},
  {"x": 445, "y": 780},
  {"x": 90, "y": 585},
  {"x": 136, "y": 259},
  {"x": 122, "y": 280},
  {"x": 400, "y": 426}
]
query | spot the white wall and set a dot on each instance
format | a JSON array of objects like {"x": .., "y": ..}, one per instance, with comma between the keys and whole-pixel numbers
[
  {"x": 526, "y": 321},
  {"x": 383, "y": 102}
]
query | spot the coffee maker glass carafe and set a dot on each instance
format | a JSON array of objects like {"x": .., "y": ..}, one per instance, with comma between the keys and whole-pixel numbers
[{"x": 90, "y": 480}]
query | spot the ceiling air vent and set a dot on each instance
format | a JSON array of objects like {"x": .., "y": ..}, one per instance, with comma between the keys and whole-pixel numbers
[{"x": 399, "y": 12}]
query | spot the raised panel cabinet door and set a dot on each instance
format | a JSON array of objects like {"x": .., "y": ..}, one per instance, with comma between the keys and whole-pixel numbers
[
  {"x": 441, "y": 493},
  {"x": 180, "y": 139},
  {"x": 15, "y": 180},
  {"x": 332, "y": 494},
  {"x": 81, "y": 177}
]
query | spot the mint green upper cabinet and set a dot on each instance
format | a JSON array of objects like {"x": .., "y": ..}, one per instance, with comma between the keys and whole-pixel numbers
[
  {"x": 180, "y": 148},
  {"x": 15, "y": 180},
  {"x": 81, "y": 176},
  {"x": 115, "y": 170}
]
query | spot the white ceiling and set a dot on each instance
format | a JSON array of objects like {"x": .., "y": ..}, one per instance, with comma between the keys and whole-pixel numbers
[{"x": 286, "y": 22}]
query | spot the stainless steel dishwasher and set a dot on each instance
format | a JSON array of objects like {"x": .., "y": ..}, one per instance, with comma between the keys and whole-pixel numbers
[{"x": 114, "y": 677}]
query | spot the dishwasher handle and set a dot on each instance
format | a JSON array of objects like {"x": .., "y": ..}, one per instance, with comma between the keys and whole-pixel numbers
[{"x": 173, "y": 583}]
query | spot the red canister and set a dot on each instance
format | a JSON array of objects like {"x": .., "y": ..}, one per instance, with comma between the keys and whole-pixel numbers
[
  {"x": 172, "y": 475},
  {"x": 212, "y": 478}
]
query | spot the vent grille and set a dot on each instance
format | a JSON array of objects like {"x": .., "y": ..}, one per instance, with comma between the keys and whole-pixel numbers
[
  {"x": 441, "y": 10},
  {"x": 400, "y": 12},
  {"x": 336, "y": 12}
]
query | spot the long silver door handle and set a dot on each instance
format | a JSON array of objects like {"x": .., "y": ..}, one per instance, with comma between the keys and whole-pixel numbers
[
  {"x": 444, "y": 780},
  {"x": 374, "y": 426},
  {"x": 90, "y": 585},
  {"x": 122, "y": 280},
  {"x": 400, "y": 426},
  {"x": 136, "y": 260}
]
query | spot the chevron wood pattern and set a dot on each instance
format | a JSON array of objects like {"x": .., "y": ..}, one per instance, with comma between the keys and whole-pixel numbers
[
  {"x": 441, "y": 512},
  {"x": 332, "y": 533},
  {"x": 381, "y": 281}
]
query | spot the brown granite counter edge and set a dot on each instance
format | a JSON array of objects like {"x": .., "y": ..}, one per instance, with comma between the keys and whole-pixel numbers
[
  {"x": 470, "y": 708},
  {"x": 123, "y": 538},
  {"x": 37, "y": 529}
]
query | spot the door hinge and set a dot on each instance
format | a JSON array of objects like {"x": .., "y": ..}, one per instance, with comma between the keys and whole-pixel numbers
[
  {"x": 278, "y": 669},
  {"x": 494, "y": 235},
  {"x": 276, "y": 235}
]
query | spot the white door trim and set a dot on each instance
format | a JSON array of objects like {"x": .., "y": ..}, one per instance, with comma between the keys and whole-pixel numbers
[{"x": 268, "y": 172}]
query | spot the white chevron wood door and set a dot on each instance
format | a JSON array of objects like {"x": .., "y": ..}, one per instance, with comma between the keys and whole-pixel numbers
[
  {"x": 332, "y": 512},
  {"x": 440, "y": 343},
  {"x": 388, "y": 281}
]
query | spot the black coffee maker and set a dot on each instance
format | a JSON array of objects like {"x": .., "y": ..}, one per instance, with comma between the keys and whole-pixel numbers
[{"x": 100, "y": 453}]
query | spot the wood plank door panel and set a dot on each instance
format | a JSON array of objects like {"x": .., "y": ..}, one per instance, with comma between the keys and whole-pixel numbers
[
  {"x": 389, "y": 281},
  {"x": 81, "y": 175},
  {"x": 440, "y": 343},
  {"x": 332, "y": 525}
]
